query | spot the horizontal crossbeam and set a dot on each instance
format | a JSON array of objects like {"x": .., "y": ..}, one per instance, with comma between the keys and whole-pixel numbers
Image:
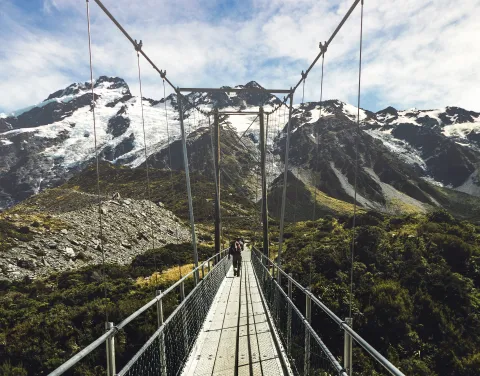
[
  {"x": 232, "y": 90},
  {"x": 238, "y": 113}
]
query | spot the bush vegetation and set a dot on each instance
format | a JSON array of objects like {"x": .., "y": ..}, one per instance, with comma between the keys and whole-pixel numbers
[
  {"x": 416, "y": 282},
  {"x": 45, "y": 322}
]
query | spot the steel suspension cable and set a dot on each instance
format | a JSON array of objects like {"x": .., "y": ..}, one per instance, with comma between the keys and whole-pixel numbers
[
  {"x": 317, "y": 139},
  {"x": 100, "y": 222},
  {"x": 246, "y": 130},
  {"x": 281, "y": 127},
  {"x": 152, "y": 233},
  {"x": 169, "y": 148},
  {"x": 297, "y": 178},
  {"x": 357, "y": 134}
]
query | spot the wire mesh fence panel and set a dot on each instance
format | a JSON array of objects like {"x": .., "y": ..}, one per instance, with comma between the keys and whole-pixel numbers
[
  {"x": 320, "y": 364},
  {"x": 293, "y": 329},
  {"x": 148, "y": 362},
  {"x": 166, "y": 352},
  {"x": 297, "y": 347}
]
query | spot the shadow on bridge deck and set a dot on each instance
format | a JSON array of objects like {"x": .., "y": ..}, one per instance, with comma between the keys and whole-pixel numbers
[{"x": 236, "y": 338}]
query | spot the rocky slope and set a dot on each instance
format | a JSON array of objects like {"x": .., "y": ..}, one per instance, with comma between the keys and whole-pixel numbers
[{"x": 62, "y": 229}]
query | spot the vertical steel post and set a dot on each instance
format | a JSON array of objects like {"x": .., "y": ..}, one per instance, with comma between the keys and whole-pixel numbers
[
  {"x": 289, "y": 317},
  {"x": 111, "y": 371},
  {"x": 203, "y": 271},
  {"x": 209, "y": 267},
  {"x": 184, "y": 320},
  {"x": 285, "y": 181},
  {"x": 348, "y": 349},
  {"x": 159, "y": 310},
  {"x": 263, "y": 163},
  {"x": 218, "y": 221},
  {"x": 308, "y": 317},
  {"x": 160, "y": 319},
  {"x": 189, "y": 188}
]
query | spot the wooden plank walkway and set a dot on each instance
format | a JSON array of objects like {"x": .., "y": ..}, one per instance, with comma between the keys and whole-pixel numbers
[{"x": 236, "y": 335}]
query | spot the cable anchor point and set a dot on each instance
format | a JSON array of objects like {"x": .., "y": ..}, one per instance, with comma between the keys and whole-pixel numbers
[
  {"x": 323, "y": 47},
  {"x": 138, "y": 46},
  {"x": 163, "y": 74}
]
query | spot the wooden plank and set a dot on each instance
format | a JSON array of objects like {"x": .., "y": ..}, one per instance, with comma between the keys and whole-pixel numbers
[{"x": 216, "y": 347}]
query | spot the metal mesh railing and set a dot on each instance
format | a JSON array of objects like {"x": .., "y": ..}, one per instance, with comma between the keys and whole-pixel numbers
[
  {"x": 307, "y": 353},
  {"x": 318, "y": 357},
  {"x": 167, "y": 350}
]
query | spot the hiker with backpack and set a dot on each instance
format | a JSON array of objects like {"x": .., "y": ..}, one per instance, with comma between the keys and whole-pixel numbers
[{"x": 235, "y": 251}]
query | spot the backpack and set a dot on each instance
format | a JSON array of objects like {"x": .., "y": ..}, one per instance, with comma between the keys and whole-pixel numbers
[{"x": 235, "y": 248}]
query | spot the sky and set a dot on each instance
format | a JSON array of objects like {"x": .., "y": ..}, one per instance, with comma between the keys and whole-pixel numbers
[{"x": 416, "y": 53}]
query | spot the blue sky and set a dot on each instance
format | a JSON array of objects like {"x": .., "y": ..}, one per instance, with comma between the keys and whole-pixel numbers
[{"x": 417, "y": 53}]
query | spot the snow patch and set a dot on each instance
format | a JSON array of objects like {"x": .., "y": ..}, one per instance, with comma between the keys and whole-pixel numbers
[
  {"x": 404, "y": 151},
  {"x": 351, "y": 112},
  {"x": 461, "y": 130}
]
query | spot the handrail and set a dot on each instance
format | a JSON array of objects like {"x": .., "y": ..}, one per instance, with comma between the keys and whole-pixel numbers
[
  {"x": 137, "y": 313},
  {"x": 132, "y": 361},
  {"x": 88, "y": 349},
  {"x": 366, "y": 346},
  {"x": 327, "y": 352}
]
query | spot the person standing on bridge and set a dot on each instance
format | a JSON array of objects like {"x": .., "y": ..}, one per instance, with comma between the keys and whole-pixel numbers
[{"x": 235, "y": 251}]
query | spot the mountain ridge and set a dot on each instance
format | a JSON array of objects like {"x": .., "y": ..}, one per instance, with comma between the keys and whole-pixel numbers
[{"x": 45, "y": 145}]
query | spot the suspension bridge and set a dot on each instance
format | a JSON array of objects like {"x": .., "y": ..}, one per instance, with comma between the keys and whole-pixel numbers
[{"x": 259, "y": 323}]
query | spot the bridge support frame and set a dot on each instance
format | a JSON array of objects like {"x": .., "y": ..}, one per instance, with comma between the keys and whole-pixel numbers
[
  {"x": 266, "y": 248},
  {"x": 110, "y": 344},
  {"x": 308, "y": 317},
  {"x": 348, "y": 349},
  {"x": 218, "y": 218}
]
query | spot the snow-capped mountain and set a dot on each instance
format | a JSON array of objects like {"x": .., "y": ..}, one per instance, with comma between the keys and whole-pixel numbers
[
  {"x": 443, "y": 144},
  {"x": 45, "y": 144},
  {"x": 403, "y": 153}
]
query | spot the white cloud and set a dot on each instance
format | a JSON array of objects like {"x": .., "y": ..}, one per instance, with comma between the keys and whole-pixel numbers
[{"x": 416, "y": 53}]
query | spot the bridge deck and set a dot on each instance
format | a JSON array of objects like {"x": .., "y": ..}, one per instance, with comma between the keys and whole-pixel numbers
[{"x": 236, "y": 334}]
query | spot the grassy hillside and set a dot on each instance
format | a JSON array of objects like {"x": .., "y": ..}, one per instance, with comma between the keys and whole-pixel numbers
[{"x": 165, "y": 186}]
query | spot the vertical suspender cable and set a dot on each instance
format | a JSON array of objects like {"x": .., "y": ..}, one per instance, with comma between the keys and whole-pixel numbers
[
  {"x": 280, "y": 126},
  {"x": 297, "y": 178},
  {"x": 98, "y": 163},
  {"x": 145, "y": 149},
  {"x": 170, "y": 163},
  {"x": 189, "y": 189},
  {"x": 317, "y": 140},
  {"x": 285, "y": 182},
  {"x": 357, "y": 134},
  {"x": 169, "y": 149}
]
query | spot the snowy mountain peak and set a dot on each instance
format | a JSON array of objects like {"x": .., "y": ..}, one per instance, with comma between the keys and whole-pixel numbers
[
  {"x": 105, "y": 82},
  {"x": 389, "y": 110},
  {"x": 254, "y": 84}
]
